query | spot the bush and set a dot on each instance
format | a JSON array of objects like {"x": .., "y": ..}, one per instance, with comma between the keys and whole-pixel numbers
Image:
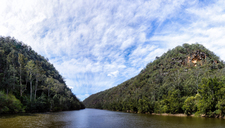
[
  {"x": 9, "y": 104},
  {"x": 190, "y": 105}
]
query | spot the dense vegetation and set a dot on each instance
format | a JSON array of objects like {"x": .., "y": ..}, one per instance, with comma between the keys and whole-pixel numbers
[
  {"x": 29, "y": 83},
  {"x": 187, "y": 79}
]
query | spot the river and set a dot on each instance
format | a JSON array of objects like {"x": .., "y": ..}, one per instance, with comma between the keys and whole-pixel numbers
[{"x": 94, "y": 118}]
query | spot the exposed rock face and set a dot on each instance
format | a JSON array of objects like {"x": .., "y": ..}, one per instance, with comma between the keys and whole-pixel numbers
[
  {"x": 197, "y": 57},
  {"x": 194, "y": 59}
]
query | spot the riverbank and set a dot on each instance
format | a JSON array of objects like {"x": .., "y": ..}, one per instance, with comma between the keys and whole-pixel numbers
[
  {"x": 184, "y": 115},
  {"x": 167, "y": 114},
  {"x": 178, "y": 114}
]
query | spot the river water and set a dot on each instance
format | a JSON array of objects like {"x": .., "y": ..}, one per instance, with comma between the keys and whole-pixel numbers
[{"x": 94, "y": 118}]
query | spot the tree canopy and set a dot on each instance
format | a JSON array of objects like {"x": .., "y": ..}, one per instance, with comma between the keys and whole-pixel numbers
[
  {"x": 187, "y": 79},
  {"x": 28, "y": 82}
]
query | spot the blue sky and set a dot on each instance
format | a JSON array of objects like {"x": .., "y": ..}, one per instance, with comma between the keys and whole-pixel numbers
[{"x": 98, "y": 44}]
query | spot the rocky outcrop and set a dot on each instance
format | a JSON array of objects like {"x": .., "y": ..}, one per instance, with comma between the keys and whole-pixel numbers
[{"x": 196, "y": 57}]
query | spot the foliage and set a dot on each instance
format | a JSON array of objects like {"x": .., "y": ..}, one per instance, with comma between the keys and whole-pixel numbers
[
  {"x": 9, "y": 104},
  {"x": 29, "y": 78},
  {"x": 212, "y": 97},
  {"x": 172, "y": 83},
  {"x": 190, "y": 106}
]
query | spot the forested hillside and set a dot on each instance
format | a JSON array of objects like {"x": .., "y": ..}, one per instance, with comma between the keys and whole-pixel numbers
[
  {"x": 29, "y": 83},
  {"x": 187, "y": 79}
]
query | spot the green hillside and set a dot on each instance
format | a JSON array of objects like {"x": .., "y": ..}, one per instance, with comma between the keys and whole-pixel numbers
[
  {"x": 187, "y": 79},
  {"x": 29, "y": 83}
]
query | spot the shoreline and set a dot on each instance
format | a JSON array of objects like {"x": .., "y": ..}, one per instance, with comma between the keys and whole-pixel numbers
[
  {"x": 37, "y": 112},
  {"x": 184, "y": 115},
  {"x": 168, "y": 114}
]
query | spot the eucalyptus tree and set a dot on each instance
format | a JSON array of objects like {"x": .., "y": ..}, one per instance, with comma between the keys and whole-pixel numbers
[
  {"x": 22, "y": 61},
  {"x": 30, "y": 69},
  {"x": 20, "y": 66},
  {"x": 39, "y": 74},
  {"x": 2, "y": 65},
  {"x": 10, "y": 70}
]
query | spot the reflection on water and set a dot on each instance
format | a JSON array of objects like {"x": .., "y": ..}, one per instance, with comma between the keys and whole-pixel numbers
[{"x": 94, "y": 118}]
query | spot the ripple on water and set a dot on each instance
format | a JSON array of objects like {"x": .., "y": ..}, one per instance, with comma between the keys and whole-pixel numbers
[{"x": 94, "y": 118}]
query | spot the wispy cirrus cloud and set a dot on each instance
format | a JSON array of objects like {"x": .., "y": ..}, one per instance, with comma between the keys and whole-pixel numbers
[
  {"x": 98, "y": 44},
  {"x": 203, "y": 23}
]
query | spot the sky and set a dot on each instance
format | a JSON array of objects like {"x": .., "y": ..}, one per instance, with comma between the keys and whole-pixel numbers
[{"x": 98, "y": 44}]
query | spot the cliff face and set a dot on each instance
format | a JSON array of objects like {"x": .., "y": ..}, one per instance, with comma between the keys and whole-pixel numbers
[
  {"x": 164, "y": 84},
  {"x": 196, "y": 58}
]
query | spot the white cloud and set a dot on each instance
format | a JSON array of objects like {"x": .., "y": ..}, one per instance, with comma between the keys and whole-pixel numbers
[
  {"x": 204, "y": 25},
  {"x": 70, "y": 87},
  {"x": 113, "y": 74},
  {"x": 81, "y": 97},
  {"x": 88, "y": 41}
]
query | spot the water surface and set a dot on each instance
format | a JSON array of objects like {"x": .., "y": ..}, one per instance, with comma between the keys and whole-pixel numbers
[{"x": 94, "y": 118}]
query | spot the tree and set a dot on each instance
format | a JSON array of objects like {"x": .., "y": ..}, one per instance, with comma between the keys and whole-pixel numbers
[
  {"x": 30, "y": 68},
  {"x": 16, "y": 72},
  {"x": 11, "y": 78},
  {"x": 49, "y": 82},
  {"x": 38, "y": 75},
  {"x": 21, "y": 61},
  {"x": 208, "y": 91},
  {"x": 144, "y": 105},
  {"x": 190, "y": 105}
]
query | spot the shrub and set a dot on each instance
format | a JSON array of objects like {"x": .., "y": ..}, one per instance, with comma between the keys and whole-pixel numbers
[
  {"x": 9, "y": 104},
  {"x": 189, "y": 105}
]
